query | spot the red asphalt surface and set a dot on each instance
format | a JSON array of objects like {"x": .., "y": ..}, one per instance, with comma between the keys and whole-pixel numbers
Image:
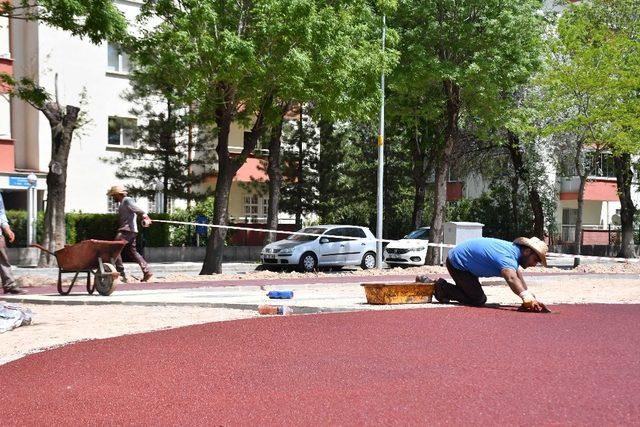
[{"x": 460, "y": 366}]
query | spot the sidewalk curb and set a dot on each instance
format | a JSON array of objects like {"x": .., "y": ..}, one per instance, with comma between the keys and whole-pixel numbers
[{"x": 297, "y": 309}]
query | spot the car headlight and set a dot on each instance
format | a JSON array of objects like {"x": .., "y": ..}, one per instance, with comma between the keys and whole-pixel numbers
[
  {"x": 286, "y": 251},
  {"x": 419, "y": 249}
]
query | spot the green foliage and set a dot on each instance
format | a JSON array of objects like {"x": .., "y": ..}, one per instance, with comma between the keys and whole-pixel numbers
[
  {"x": 348, "y": 195},
  {"x": 486, "y": 48},
  {"x": 97, "y": 20},
  {"x": 493, "y": 209},
  {"x": 593, "y": 74},
  {"x": 18, "y": 222}
]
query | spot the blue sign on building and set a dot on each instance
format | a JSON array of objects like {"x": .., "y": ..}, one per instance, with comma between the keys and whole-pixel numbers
[{"x": 19, "y": 181}]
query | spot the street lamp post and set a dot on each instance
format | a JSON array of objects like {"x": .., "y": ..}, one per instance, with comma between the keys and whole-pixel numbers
[
  {"x": 32, "y": 208},
  {"x": 381, "y": 155}
]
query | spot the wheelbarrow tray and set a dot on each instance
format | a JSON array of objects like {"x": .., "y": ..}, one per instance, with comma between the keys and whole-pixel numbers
[{"x": 84, "y": 255}]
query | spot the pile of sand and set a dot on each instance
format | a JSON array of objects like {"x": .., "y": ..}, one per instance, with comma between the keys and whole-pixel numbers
[{"x": 613, "y": 268}]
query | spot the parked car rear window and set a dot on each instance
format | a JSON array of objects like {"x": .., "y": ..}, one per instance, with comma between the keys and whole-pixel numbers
[{"x": 303, "y": 238}]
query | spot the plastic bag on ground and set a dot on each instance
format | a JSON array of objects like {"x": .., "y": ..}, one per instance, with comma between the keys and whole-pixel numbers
[{"x": 12, "y": 316}]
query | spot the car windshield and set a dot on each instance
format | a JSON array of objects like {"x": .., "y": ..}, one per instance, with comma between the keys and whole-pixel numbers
[
  {"x": 304, "y": 238},
  {"x": 422, "y": 234}
]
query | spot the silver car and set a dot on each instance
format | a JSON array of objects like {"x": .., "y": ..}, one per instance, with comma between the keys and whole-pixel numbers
[{"x": 330, "y": 246}]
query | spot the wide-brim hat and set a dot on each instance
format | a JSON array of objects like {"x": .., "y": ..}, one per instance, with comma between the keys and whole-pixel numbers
[
  {"x": 536, "y": 245},
  {"x": 116, "y": 189}
]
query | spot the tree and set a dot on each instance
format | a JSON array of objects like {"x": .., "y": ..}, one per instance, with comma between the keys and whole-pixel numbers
[
  {"x": 96, "y": 20},
  {"x": 300, "y": 168},
  {"x": 462, "y": 57},
  {"x": 592, "y": 86},
  {"x": 238, "y": 56}
]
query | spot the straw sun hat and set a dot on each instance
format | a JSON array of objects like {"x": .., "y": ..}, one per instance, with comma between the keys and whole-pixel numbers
[
  {"x": 116, "y": 189},
  {"x": 536, "y": 245}
]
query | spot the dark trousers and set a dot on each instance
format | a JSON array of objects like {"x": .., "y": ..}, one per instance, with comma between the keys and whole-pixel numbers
[
  {"x": 130, "y": 249},
  {"x": 467, "y": 289},
  {"x": 6, "y": 275}
]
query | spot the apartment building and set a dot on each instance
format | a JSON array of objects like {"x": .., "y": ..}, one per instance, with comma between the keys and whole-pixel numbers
[{"x": 15, "y": 175}]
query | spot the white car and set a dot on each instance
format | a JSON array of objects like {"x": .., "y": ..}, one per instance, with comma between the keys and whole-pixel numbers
[
  {"x": 411, "y": 250},
  {"x": 334, "y": 246}
]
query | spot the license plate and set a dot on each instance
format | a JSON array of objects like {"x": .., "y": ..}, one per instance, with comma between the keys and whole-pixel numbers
[{"x": 269, "y": 256}]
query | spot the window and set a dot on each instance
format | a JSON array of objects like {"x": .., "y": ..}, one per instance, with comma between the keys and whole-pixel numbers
[
  {"x": 255, "y": 207},
  {"x": 121, "y": 131},
  {"x": 355, "y": 232},
  {"x": 154, "y": 208},
  {"x": 117, "y": 60},
  {"x": 251, "y": 206},
  {"x": 338, "y": 232},
  {"x": 600, "y": 164},
  {"x": 595, "y": 164}
]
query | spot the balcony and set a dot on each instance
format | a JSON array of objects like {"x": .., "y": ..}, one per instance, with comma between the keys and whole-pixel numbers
[
  {"x": 7, "y": 155},
  {"x": 597, "y": 189}
]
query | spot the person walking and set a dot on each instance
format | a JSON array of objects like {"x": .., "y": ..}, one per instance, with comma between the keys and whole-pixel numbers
[
  {"x": 128, "y": 230},
  {"x": 9, "y": 285},
  {"x": 488, "y": 257}
]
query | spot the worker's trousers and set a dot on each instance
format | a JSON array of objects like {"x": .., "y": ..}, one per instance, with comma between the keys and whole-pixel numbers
[
  {"x": 467, "y": 289},
  {"x": 6, "y": 275},
  {"x": 130, "y": 249}
]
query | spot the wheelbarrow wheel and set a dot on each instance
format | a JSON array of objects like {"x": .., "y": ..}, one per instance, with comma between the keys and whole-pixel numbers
[{"x": 105, "y": 282}]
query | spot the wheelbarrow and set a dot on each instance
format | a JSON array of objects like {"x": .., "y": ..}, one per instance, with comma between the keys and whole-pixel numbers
[{"x": 91, "y": 257}]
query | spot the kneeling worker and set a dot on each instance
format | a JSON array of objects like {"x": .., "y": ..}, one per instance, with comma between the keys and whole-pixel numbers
[
  {"x": 128, "y": 230},
  {"x": 488, "y": 257}
]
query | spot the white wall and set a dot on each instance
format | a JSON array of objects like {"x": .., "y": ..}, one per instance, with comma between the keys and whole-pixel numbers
[{"x": 82, "y": 67}]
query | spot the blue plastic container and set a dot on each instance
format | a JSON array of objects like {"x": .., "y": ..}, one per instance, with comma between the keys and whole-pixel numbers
[{"x": 280, "y": 294}]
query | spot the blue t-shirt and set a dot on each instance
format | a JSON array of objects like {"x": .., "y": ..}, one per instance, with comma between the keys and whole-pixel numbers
[{"x": 485, "y": 257}]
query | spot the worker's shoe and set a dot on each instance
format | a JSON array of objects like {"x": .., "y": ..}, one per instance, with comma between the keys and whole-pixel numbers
[
  {"x": 438, "y": 292},
  {"x": 14, "y": 290},
  {"x": 147, "y": 276},
  {"x": 123, "y": 278}
]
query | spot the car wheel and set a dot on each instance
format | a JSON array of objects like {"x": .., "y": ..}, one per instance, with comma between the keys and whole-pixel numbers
[
  {"x": 368, "y": 261},
  {"x": 308, "y": 262}
]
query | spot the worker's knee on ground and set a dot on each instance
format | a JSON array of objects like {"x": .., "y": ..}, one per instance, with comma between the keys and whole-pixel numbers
[{"x": 479, "y": 302}]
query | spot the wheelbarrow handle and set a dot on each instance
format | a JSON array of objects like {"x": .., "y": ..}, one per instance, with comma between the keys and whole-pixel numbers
[{"x": 42, "y": 248}]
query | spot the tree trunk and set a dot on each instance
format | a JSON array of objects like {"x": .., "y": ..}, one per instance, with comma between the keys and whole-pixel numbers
[
  {"x": 421, "y": 167},
  {"x": 624, "y": 176},
  {"x": 442, "y": 169},
  {"x": 418, "y": 204},
  {"x": 582, "y": 174},
  {"x": 62, "y": 127},
  {"x": 517, "y": 159},
  {"x": 299, "y": 174},
  {"x": 515, "y": 226},
  {"x": 227, "y": 169},
  {"x": 274, "y": 171},
  {"x": 326, "y": 168}
]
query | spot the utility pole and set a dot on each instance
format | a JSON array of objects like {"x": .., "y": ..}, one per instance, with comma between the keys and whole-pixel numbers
[{"x": 381, "y": 154}]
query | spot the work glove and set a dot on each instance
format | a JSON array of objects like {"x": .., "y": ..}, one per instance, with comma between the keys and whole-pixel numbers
[{"x": 531, "y": 304}]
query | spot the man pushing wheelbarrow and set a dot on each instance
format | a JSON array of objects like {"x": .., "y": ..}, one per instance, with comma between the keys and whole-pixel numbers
[{"x": 128, "y": 230}]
